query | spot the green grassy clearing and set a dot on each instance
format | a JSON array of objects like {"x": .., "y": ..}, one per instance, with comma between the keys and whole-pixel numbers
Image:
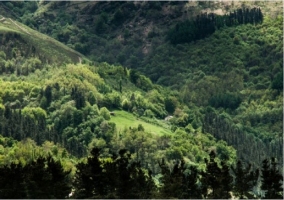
[
  {"x": 4, "y": 29},
  {"x": 124, "y": 119}
]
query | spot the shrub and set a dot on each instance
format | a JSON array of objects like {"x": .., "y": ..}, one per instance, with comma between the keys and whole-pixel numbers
[
  {"x": 126, "y": 105},
  {"x": 149, "y": 113},
  {"x": 104, "y": 112},
  {"x": 144, "y": 83}
]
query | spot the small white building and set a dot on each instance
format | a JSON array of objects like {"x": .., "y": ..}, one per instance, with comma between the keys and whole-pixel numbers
[{"x": 168, "y": 118}]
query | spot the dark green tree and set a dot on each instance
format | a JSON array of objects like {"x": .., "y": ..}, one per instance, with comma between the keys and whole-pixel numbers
[
  {"x": 78, "y": 97},
  {"x": 60, "y": 183},
  {"x": 120, "y": 85},
  {"x": 172, "y": 181},
  {"x": 132, "y": 182},
  {"x": 190, "y": 188},
  {"x": 134, "y": 76},
  {"x": 271, "y": 179},
  {"x": 170, "y": 104},
  {"x": 277, "y": 82},
  {"x": 48, "y": 94},
  {"x": 119, "y": 177},
  {"x": 88, "y": 180},
  {"x": 142, "y": 179},
  {"x": 226, "y": 181},
  {"x": 12, "y": 182},
  {"x": 210, "y": 180},
  {"x": 43, "y": 178},
  {"x": 244, "y": 181},
  {"x": 178, "y": 182}
]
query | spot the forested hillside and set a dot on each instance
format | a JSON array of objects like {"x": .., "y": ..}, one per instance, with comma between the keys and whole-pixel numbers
[{"x": 149, "y": 99}]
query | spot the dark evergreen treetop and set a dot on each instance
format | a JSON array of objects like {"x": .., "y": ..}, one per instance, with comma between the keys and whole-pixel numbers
[
  {"x": 206, "y": 24},
  {"x": 245, "y": 179},
  {"x": 271, "y": 179},
  {"x": 116, "y": 178},
  {"x": 41, "y": 179}
]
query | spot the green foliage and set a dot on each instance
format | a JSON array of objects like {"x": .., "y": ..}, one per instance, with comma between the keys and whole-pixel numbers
[
  {"x": 216, "y": 179},
  {"x": 111, "y": 100},
  {"x": 144, "y": 83},
  {"x": 277, "y": 82},
  {"x": 122, "y": 176},
  {"x": 134, "y": 76},
  {"x": 114, "y": 178},
  {"x": 178, "y": 183},
  {"x": 60, "y": 108},
  {"x": 170, "y": 104},
  {"x": 2, "y": 109},
  {"x": 101, "y": 23},
  {"x": 205, "y": 24},
  {"x": 34, "y": 113},
  {"x": 140, "y": 128},
  {"x": 245, "y": 180},
  {"x": 42, "y": 178},
  {"x": 225, "y": 100},
  {"x": 104, "y": 112},
  {"x": 149, "y": 113},
  {"x": 78, "y": 97},
  {"x": 126, "y": 105},
  {"x": 118, "y": 17},
  {"x": 271, "y": 179},
  {"x": 231, "y": 71},
  {"x": 2, "y": 55}
]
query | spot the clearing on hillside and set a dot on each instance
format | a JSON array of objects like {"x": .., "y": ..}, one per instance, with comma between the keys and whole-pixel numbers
[{"x": 124, "y": 119}]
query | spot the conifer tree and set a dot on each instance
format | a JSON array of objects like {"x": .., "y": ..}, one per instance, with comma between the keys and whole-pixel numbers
[
  {"x": 132, "y": 181},
  {"x": 190, "y": 188},
  {"x": 272, "y": 180},
  {"x": 178, "y": 184},
  {"x": 88, "y": 181},
  {"x": 142, "y": 184},
  {"x": 59, "y": 186},
  {"x": 226, "y": 182},
  {"x": 245, "y": 180},
  {"x": 41, "y": 179},
  {"x": 115, "y": 178},
  {"x": 165, "y": 190},
  {"x": 210, "y": 179},
  {"x": 48, "y": 94},
  {"x": 12, "y": 182},
  {"x": 37, "y": 179}
]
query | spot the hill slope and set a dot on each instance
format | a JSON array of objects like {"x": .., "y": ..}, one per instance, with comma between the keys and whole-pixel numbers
[
  {"x": 120, "y": 32},
  {"x": 27, "y": 42},
  {"x": 236, "y": 71},
  {"x": 45, "y": 98}
]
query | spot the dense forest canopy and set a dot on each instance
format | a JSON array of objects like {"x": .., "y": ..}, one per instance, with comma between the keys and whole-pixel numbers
[{"x": 141, "y": 99}]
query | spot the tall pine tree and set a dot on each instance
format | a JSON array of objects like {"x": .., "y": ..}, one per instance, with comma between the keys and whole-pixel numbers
[
  {"x": 272, "y": 179},
  {"x": 116, "y": 177},
  {"x": 211, "y": 178},
  {"x": 244, "y": 181}
]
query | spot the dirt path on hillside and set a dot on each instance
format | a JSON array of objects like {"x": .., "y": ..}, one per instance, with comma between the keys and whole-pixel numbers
[{"x": 19, "y": 27}]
